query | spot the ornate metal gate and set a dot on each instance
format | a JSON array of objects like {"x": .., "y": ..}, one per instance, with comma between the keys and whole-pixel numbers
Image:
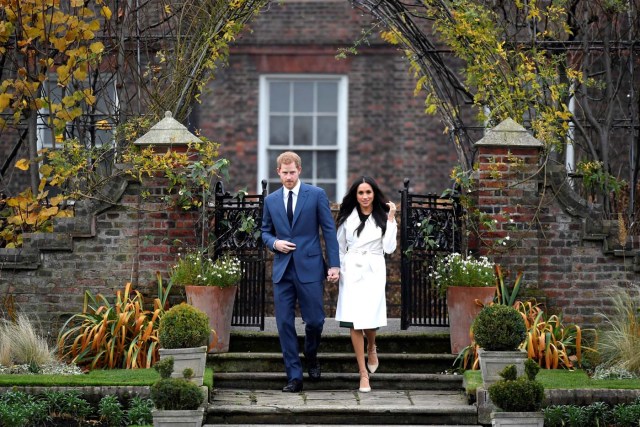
[
  {"x": 236, "y": 230},
  {"x": 431, "y": 225}
]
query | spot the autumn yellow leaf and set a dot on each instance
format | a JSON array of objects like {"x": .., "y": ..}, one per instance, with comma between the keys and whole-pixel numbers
[
  {"x": 43, "y": 182},
  {"x": 77, "y": 3},
  {"x": 59, "y": 43},
  {"x": 49, "y": 212},
  {"x": 96, "y": 47},
  {"x": 66, "y": 213},
  {"x": 45, "y": 170},
  {"x": 167, "y": 9},
  {"x": 31, "y": 219},
  {"x": 23, "y": 164},
  {"x": 88, "y": 96},
  {"x": 5, "y": 99},
  {"x": 80, "y": 73},
  {"x": 94, "y": 25},
  {"x": 106, "y": 12},
  {"x": 15, "y": 220},
  {"x": 56, "y": 200}
]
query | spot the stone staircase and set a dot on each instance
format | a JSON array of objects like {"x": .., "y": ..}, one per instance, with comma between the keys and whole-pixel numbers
[{"x": 411, "y": 386}]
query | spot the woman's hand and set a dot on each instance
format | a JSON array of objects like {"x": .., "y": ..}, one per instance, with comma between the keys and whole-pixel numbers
[{"x": 392, "y": 211}]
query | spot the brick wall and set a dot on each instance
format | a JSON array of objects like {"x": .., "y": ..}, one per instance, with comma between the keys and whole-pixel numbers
[
  {"x": 390, "y": 137},
  {"x": 100, "y": 250},
  {"x": 570, "y": 256}
]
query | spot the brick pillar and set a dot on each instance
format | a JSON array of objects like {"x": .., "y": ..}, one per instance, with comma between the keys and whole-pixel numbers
[
  {"x": 164, "y": 228},
  {"x": 508, "y": 192}
]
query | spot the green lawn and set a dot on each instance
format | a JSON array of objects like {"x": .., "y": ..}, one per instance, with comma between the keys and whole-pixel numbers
[
  {"x": 110, "y": 377},
  {"x": 559, "y": 379}
]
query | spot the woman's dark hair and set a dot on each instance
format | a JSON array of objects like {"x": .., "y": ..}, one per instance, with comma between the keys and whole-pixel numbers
[{"x": 350, "y": 202}]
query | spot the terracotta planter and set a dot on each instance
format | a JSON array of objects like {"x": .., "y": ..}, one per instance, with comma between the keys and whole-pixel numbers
[
  {"x": 218, "y": 304},
  {"x": 463, "y": 310}
]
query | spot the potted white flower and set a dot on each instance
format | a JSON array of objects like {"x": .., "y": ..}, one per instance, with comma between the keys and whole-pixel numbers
[
  {"x": 210, "y": 286},
  {"x": 468, "y": 283}
]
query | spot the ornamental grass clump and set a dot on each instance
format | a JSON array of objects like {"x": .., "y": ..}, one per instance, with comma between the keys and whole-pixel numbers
[
  {"x": 21, "y": 343},
  {"x": 454, "y": 269},
  {"x": 196, "y": 269},
  {"x": 499, "y": 328}
]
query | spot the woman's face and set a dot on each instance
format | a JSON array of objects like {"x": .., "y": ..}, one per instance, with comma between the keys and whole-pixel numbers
[{"x": 364, "y": 195}]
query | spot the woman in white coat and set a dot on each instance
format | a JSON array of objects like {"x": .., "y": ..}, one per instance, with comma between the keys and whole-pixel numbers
[{"x": 366, "y": 231}]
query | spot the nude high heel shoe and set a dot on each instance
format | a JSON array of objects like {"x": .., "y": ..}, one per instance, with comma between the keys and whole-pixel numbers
[
  {"x": 372, "y": 353},
  {"x": 364, "y": 383}
]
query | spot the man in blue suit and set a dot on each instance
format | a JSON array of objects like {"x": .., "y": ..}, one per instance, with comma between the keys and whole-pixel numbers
[{"x": 291, "y": 221}]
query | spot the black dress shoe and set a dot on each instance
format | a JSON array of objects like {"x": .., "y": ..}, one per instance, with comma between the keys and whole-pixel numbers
[
  {"x": 314, "y": 370},
  {"x": 293, "y": 386}
]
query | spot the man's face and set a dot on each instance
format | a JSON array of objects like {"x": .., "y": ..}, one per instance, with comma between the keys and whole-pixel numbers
[{"x": 289, "y": 174}]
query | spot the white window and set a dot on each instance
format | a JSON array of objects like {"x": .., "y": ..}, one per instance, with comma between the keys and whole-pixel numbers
[
  {"x": 306, "y": 114},
  {"x": 94, "y": 129}
]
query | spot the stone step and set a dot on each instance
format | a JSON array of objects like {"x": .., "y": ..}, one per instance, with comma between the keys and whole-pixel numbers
[
  {"x": 340, "y": 407},
  {"x": 339, "y": 381},
  {"x": 333, "y": 362},
  {"x": 333, "y": 342}
]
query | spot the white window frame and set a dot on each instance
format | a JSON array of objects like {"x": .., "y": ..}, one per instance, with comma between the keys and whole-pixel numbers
[{"x": 342, "y": 128}]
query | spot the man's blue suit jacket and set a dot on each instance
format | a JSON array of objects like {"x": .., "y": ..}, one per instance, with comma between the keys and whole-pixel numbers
[{"x": 312, "y": 213}]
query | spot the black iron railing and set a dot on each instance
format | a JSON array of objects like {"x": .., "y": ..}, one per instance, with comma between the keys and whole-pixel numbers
[{"x": 431, "y": 225}]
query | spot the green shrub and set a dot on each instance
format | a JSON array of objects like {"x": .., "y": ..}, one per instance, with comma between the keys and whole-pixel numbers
[
  {"x": 176, "y": 394},
  {"x": 626, "y": 415},
  {"x": 499, "y": 328},
  {"x": 597, "y": 414},
  {"x": 523, "y": 394},
  {"x": 183, "y": 326},
  {"x": 20, "y": 409},
  {"x": 139, "y": 412},
  {"x": 111, "y": 412},
  {"x": 164, "y": 367},
  {"x": 67, "y": 404}
]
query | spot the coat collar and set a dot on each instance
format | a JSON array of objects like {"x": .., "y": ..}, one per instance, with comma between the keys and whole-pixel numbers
[{"x": 369, "y": 233}]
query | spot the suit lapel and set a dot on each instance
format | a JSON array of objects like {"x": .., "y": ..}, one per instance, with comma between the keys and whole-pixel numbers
[
  {"x": 302, "y": 199},
  {"x": 280, "y": 209}
]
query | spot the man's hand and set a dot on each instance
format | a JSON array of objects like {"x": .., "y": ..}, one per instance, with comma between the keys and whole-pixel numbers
[
  {"x": 333, "y": 275},
  {"x": 284, "y": 246}
]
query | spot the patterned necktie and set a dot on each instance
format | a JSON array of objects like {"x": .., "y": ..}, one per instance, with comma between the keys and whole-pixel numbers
[{"x": 290, "y": 207}]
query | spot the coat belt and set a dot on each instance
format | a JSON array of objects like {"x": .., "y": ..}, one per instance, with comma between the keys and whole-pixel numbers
[{"x": 361, "y": 252}]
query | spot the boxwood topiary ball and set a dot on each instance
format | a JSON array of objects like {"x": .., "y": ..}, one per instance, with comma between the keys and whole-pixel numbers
[
  {"x": 499, "y": 328},
  {"x": 183, "y": 326}
]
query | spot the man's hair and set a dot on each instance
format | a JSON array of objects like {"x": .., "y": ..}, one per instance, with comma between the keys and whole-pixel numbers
[{"x": 289, "y": 157}]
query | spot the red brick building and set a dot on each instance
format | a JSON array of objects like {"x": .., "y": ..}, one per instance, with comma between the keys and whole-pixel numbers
[{"x": 285, "y": 89}]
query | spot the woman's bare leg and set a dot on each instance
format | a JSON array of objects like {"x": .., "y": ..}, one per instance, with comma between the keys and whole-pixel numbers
[
  {"x": 357, "y": 340},
  {"x": 372, "y": 354}
]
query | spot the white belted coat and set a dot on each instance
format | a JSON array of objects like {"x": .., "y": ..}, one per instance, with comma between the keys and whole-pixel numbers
[{"x": 363, "y": 272}]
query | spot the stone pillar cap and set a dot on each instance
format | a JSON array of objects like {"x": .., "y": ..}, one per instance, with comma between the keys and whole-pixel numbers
[
  {"x": 167, "y": 132},
  {"x": 508, "y": 133}
]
